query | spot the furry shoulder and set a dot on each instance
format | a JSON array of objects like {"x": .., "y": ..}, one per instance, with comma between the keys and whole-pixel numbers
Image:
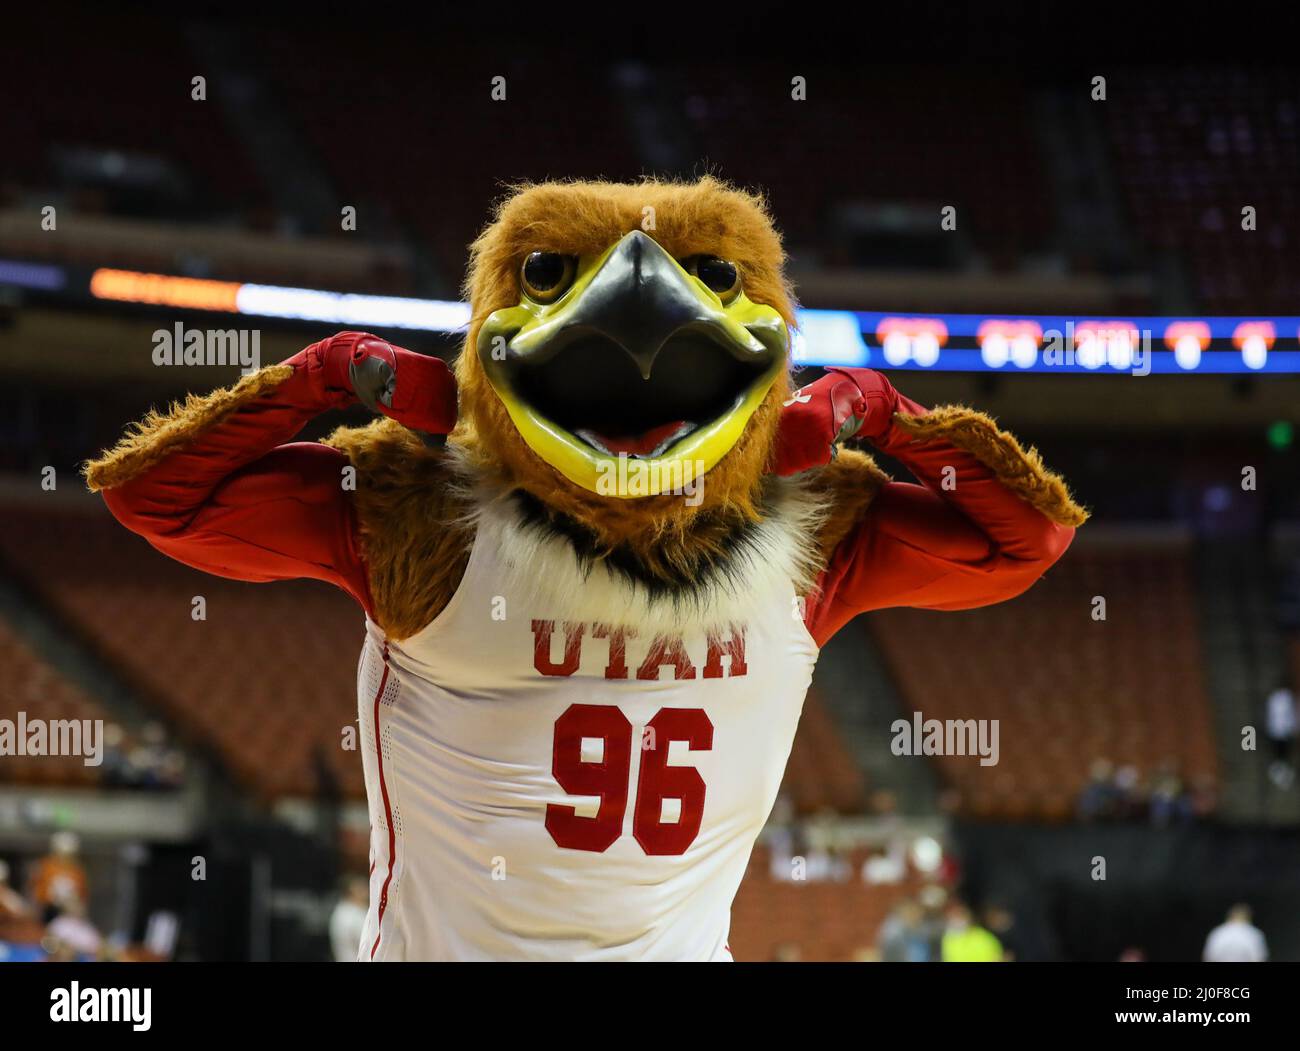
[
  {"x": 417, "y": 514},
  {"x": 844, "y": 488},
  {"x": 412, "y": 516}
]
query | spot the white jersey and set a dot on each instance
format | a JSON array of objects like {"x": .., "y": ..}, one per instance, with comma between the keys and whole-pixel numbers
[
  {"x": 1235, "y": 942},
  {"x": 548, "y": 782}
]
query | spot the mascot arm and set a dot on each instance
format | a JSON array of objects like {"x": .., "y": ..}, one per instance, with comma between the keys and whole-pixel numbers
[
  {"x": 984, "y": 524},
  {"x": 211, "y": 484}
]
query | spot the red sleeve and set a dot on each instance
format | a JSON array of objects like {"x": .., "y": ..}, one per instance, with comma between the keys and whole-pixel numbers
[
  {"x": 959, "y": 540},
  {"x": 236, "y": 502}
]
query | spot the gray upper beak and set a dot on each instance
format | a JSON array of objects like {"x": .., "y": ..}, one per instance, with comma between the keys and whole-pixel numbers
[{"x": 639, "y": 299}]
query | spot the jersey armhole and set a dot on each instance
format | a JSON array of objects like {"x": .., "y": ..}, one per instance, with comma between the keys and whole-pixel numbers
[{"x": 430, "y": 631}]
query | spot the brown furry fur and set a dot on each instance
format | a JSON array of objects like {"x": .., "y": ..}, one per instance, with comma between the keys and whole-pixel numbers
[
  {"x": 160, "y": 434},
  {"x": 585, "y": 218},
  {"x": 1020, "y": 470},
  {"x": 846, "y": 486},
  {"x": 413, "y": 518}
]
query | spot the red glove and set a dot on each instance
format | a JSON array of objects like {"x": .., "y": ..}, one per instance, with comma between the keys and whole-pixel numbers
[
  {"x": 416, "y": 390},
  {"x": 840, "y": 405}
]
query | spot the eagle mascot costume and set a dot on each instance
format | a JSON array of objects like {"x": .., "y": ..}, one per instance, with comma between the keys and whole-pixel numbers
[{"x": 592, "y": 612}]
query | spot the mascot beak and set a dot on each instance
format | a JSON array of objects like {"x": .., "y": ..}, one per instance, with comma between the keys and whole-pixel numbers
[
  {"x": 639, "y": 298},
  {"x": 637, "y": 378}
]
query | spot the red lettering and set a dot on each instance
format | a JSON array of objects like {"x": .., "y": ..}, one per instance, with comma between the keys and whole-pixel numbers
[
  {"x": 616, "y": 668},
  {"x": 607, "y": 778},
  {"x": 734, "y": 648},
  {"x": 659, "y": 781},
  {"x": 542, "y": 631},
  {"x": 666, "y": 650}
]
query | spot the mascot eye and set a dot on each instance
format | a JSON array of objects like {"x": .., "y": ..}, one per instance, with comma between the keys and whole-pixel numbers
[
  {"x": 718, "y": 276},
  {"x": 547, "y": 275}
]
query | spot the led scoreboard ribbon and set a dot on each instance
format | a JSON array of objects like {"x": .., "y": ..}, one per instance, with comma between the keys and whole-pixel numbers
[
  {"x": 926, "y": 342},
  {"x": 1050, "y": 343}
]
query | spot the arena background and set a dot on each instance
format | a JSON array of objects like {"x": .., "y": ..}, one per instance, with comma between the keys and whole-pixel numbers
[{"x": 942, "y": 222}]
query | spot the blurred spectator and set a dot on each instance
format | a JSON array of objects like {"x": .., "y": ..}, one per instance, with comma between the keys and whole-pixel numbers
[
  {"x": 70, "y": 930},
  {"x": 1001, "y": 923},
  {"x": 115, "y": 769},
  {"x": 154, "y": 764},
  {"x": 1170, "y": 803},
  {"x": 150, "y": 762},
  {"x": 59, "y": 876},
  {"x": 787, "y": 952},
  {"x": 804, "y": 850},
  {"x": 949, "y": 869},
  {"x": 1118, "y": 795},
  {"x": 1133, "y": 954},
  {"x": 349, "y": 919},
  {"x": 903, "y": 937},
  {"x": 965, "y": 941},
  {"x": 1130, "y": 800},
  {"x": 1280, "y": 724},
  {"x": 12, "y": 905},
  {"x": 784, "y": 838},
  {"x": 883, "y": 803},
  {"x": 160, "y": 936},
  {"x": 827, "y": 864},
  {"x": 1099, "y": 797},
  {"x": 1236, "y": 940},
  {"x": 887, "y": 865}
]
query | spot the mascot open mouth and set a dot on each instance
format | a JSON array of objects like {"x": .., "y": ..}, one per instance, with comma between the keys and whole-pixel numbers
[
  {"x": 593, "y": 389},
  {"x": 632, "y": 357}
]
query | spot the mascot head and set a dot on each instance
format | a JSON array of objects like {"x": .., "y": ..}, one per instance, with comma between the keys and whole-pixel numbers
[{"x": 628, "y": 344}]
